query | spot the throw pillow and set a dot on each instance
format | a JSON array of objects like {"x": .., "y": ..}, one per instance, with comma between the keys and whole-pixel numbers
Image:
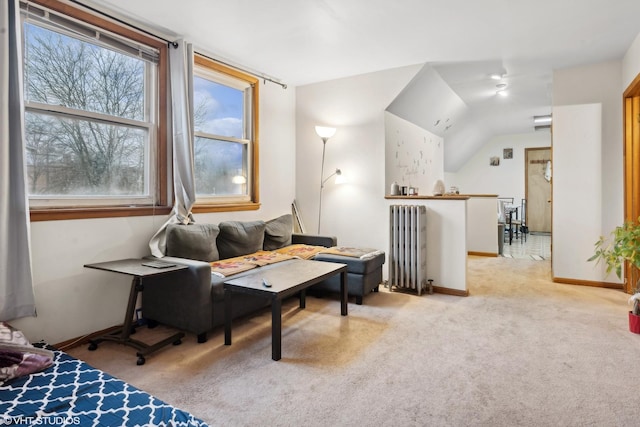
[
  {"x": 277, "y": 233},
  {"x": 193, "y": 241},
  {"x": 18, "y": 357},
  {"x": 239, "y": 238}
]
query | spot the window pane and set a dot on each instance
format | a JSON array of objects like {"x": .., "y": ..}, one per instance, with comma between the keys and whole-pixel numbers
[
  {"x": 219, "y": 167},
  {"x": 62, "y": 70},
  {"x": 72, "y": 157},
  {"x": 219, "y": 109}
]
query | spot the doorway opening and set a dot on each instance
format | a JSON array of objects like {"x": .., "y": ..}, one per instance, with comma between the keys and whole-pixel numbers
[{"x": 536, "y": 207}]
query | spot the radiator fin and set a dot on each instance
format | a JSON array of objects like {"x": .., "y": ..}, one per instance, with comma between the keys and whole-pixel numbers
[{"x": 408, "y": 248}]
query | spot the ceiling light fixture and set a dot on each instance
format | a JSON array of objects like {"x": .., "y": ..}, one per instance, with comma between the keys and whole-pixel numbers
[
  {"x": 501, "y": 85},
  {"x": 502, "y": 92},
  {"x": 497, "y": 76},
  {"x": 542, "y": 122}
]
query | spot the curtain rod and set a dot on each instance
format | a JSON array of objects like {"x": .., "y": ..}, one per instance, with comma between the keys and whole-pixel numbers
[
  {"x": 253, "y": 73},
  {"x": 172, "y": 43}
]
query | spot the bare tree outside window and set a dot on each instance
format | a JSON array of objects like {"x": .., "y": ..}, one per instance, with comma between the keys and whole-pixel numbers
[
  {"x": 85, "y": 117},
  {"x": 222, "y": 135}
]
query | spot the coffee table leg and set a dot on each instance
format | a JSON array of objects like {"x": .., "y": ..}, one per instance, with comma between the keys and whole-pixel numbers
[
  {"x": 303, "y": 298},
  {"x": 343, "y": 293},
  {"x": 227, "y": 317},
  {"x": 276, "y": 329}
]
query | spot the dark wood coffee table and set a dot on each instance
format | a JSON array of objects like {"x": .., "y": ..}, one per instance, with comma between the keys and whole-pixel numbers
[{"x": 286, "y": 280}]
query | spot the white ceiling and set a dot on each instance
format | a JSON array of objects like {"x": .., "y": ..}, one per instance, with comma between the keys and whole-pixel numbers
[{"x": 305, "y": 41}]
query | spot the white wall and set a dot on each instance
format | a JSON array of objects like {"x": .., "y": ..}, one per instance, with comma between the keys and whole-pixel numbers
[
  {"x": 631, "y": 63},
  {"x": 577, "y": 190},
  {"x": 505, "y": 180},
  {"x": 482, "y": 225},
  {"x": 595, "y": 84},
  {"x": 414, "y": 157},
  {"x": 446, "y": 240},
  {"x": 72, "y": 300},
  {"x": 355, "y": 212},
  {"x": 600, "y": 83}
]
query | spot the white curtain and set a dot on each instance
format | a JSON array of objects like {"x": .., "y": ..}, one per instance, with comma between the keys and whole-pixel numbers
[
  {"x": 181, "y": 76},
  {"x": 16, "y": 282}
]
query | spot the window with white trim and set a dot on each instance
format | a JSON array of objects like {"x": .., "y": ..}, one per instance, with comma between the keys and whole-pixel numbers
[
  {"x": 91, "y": 114},
  {"x": 225, "y": 146}
]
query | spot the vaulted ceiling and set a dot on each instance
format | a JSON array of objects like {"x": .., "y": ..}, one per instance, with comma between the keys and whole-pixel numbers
[{"x": 461, "y": 41}]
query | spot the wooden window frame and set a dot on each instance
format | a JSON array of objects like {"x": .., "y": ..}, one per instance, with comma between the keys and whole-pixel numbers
[
  {"x": 254, "y": 203},
  {"x": 161, "y": 189}
]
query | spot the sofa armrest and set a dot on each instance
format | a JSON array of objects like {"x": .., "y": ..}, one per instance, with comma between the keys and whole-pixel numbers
[
  {"x": 181, "y": 299},
  {"x": 314, "y": 240}
]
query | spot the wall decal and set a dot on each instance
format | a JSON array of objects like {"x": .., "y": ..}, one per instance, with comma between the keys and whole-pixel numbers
[{"x": 413, "y": 156}]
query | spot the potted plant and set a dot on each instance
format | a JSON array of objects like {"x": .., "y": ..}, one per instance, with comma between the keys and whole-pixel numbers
[{"x": 622, "y": 246}]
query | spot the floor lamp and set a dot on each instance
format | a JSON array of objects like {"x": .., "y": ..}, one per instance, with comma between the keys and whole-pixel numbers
[{"x": 324, "y": 133}]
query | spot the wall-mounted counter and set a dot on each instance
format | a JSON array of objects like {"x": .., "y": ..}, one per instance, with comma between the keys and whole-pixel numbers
[
  {"x": 446, "y": 239},
  {"x": 445, "y": 197}
]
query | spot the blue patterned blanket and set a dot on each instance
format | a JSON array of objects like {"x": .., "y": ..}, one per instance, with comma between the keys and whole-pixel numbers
[{"x": 72, "y": 393}]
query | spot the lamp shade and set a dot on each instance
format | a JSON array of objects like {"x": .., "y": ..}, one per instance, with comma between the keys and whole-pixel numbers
[
  {"x": 325, "y": 132},
  {"x": 341, "y": 179}
]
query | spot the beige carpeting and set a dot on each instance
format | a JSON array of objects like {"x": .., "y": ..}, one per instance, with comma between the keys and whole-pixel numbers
[{"x": 520, "y": 351}]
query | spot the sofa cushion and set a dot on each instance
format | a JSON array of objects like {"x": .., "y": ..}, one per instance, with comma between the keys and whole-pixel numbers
[
  {"x": 355, "y": 265},
  {"x": 277, "y": 233},
  {"x": 193, "y": 241},
  {"x": 239, "y": 238}
]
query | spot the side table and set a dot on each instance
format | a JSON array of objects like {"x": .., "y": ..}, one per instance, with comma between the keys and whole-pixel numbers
[{"x": 137, "y": 269}]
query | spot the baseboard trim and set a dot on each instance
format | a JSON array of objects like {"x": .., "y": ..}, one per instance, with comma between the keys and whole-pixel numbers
[
  {"x": 594, "y": 284},
  {"x": 449, "y": 291},
  {"x": 487, "y": 254},
  {"x": 436, "y": 289},
  {"x": 84, "y": 339}
]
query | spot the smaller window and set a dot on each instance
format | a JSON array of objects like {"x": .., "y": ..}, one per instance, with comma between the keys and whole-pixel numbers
[{"x": 225, "y": 146}]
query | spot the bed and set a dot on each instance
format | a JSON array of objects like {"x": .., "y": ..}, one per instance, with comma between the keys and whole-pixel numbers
[{"x": 71, "y": 392}]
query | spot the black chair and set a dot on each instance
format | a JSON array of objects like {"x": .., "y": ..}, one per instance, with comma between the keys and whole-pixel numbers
[
  {"x": 512, "y": 223},
  {"x": 518, "y": 225},
  {"x": 507, "y": 215}
]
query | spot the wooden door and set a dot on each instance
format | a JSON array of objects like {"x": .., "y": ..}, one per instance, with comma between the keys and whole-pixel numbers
[
  {"x": 538, "y": 189},
  {"x": 632, "y": 168}
]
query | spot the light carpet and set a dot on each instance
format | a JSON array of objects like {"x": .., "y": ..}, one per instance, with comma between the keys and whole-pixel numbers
[{"x": 519, "y": 351}]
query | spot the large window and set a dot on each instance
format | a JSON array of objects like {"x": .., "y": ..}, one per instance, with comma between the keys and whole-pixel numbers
[
  {"x": 92, "y": 114},
  {"x": 225, "y": 148},
  {"x": 95, "y": 114}
]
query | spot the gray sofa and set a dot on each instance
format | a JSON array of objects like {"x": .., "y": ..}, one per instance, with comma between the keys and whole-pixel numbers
[{"x": 193, "y": 300}]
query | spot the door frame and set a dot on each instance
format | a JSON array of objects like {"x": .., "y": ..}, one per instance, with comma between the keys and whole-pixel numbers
[{"x": 631, "y": 160}]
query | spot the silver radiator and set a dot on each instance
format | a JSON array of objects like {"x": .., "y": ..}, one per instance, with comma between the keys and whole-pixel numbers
[{"x": 408, "y": 248}]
